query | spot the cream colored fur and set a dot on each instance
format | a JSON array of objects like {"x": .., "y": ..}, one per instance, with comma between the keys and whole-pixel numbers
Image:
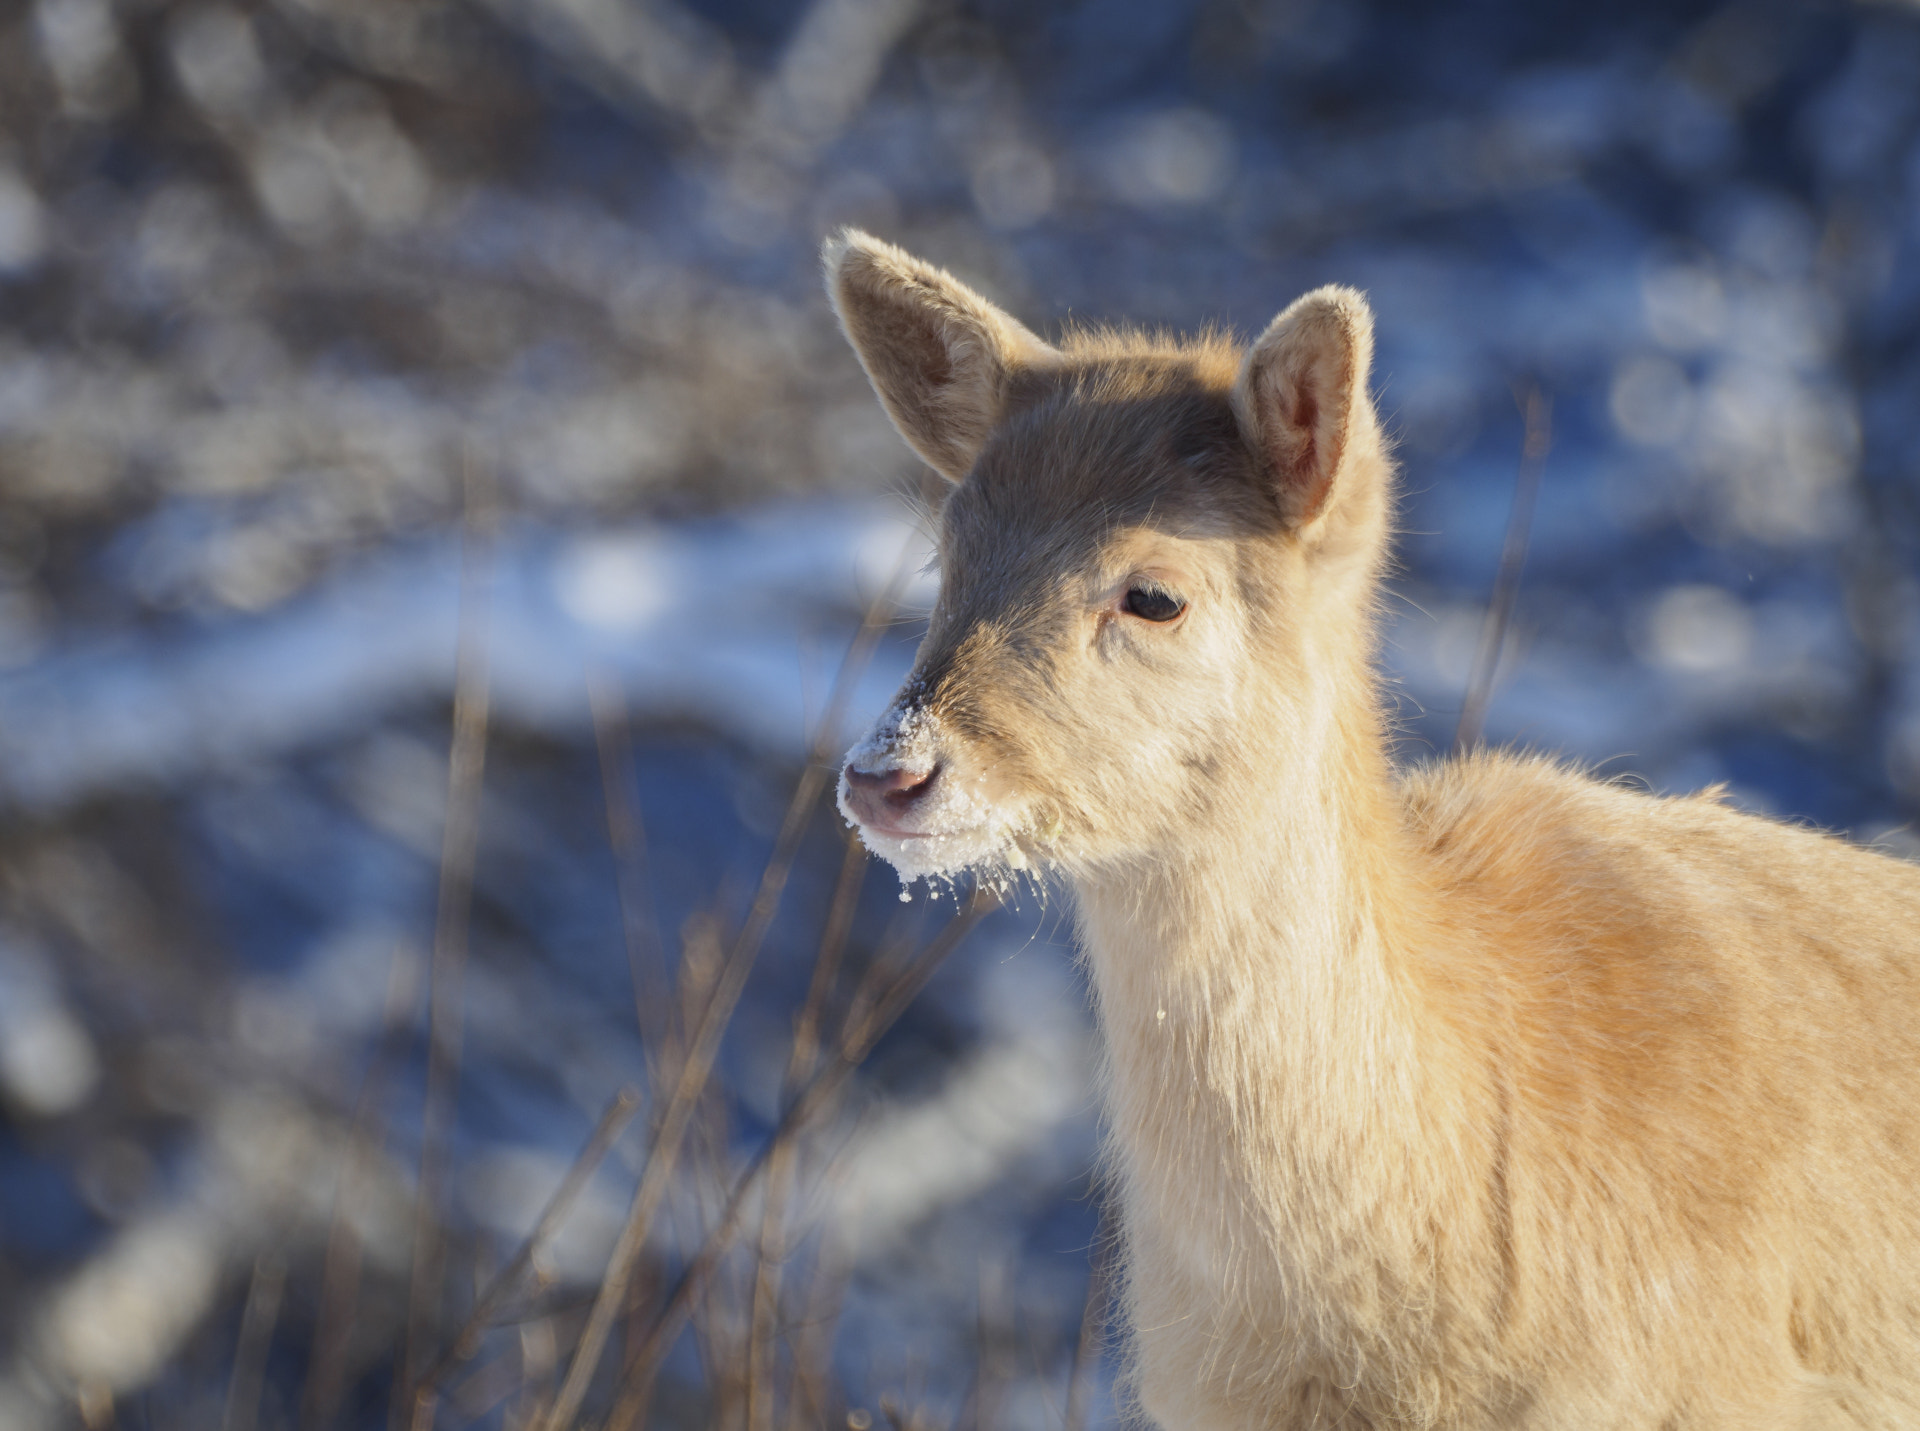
[{"x": 1480, "y": 1095}]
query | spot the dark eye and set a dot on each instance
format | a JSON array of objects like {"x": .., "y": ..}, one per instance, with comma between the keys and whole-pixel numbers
[{"x": 1150, "y": 603}]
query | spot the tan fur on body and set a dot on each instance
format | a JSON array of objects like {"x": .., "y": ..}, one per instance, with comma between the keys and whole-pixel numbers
[{"x": 1484, "y": 1095}]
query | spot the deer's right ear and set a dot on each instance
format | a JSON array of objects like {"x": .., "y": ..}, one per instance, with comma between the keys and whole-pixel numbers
[
  {"x": 938, "y": 354},
  {"x": 1302, "y": 403}
]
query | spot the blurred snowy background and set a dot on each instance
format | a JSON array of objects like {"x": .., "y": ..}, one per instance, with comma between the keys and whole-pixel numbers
[{"x": 292, "y": 289}]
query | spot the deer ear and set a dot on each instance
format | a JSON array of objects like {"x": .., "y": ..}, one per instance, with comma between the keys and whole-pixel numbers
[
  {"x": 1302, "y": 399},
  {"x": 938, "y": 354}
]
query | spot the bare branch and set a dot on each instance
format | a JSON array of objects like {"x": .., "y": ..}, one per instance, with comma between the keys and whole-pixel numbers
[{"x": 1538, "y": 412}]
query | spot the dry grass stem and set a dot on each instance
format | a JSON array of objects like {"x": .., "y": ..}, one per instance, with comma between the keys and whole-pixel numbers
[
  {"x": 340, "y": 1263},
  {"x": 256, "y": 1337},
  {"x": 990, "y": 1313},
  {"x": 807, "y": 1401},
  {"x": 704, "y": 1045},
  {"x": 1537, "y": 410},
  {"x": 761, "y": 1393},
  {"x": 1093, "y": 1323},
  {"x": 613, "y": 1122},
  {"x": 639, "y": 921},
  {"x": 855, "y": 1044},
  {"x": 459, "y": 849}
]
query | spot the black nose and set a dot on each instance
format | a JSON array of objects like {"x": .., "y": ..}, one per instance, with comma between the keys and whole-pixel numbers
[{"x": 898, "y": 786}]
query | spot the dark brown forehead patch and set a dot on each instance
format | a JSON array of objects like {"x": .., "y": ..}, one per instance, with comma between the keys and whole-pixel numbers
[
  {"x": 1106, "y": 439},
  {"x": 1207, "y": 433}
]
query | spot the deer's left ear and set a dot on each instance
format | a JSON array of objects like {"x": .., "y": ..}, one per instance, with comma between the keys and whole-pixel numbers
[{"x": 1302, "y": 400}]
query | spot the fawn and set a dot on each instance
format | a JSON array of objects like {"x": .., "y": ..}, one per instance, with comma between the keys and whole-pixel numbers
[{"x": 1477, "y": 1095}]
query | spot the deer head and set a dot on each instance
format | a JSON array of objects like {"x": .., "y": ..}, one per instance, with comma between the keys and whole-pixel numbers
[{"x": 1157, "y": 562}]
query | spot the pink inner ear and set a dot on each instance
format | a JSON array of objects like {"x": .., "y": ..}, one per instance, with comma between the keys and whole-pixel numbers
[
  {"x": 1305, "y": 412},
  {"x": 1315, "y": 456}
]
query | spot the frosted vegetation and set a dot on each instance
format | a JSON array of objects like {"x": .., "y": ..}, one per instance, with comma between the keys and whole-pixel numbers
[{"x": 292, "y": 288}]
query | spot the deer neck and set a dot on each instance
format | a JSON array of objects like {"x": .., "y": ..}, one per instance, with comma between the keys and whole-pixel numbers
[{"x": 1261, "y": 1036}]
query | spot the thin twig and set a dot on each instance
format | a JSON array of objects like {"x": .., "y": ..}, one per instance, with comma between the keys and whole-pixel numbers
[
  {"x": 639, "y": 922},
  {"x": 490, "y": 1384},
  {"x": 800, "y": 1065},
  {"x": 895, "y": 953},
  {"x": 722, "y": 1331},
  {"x": 1537, "y": 409},
  {"x": 1093, "y": 1322},
  {"x": 466, "y": 1341},
  {"x": 705, "y": 1043},
  {"x": 826, "y": 969},
  {"x": 989, "y": 1315},
  {"x": 1033, "y": 1341},
  {"x": 340, "y": 1263},
  {"x": 812, "y": 1353},
  {"x": 855, "y": 1044},
  {"x": 661, "y": 1160},
  {"x": 539, "y": 1355},
  {"x": 256, "y": 1337},
  {"x": 446, "y": 1016}
]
